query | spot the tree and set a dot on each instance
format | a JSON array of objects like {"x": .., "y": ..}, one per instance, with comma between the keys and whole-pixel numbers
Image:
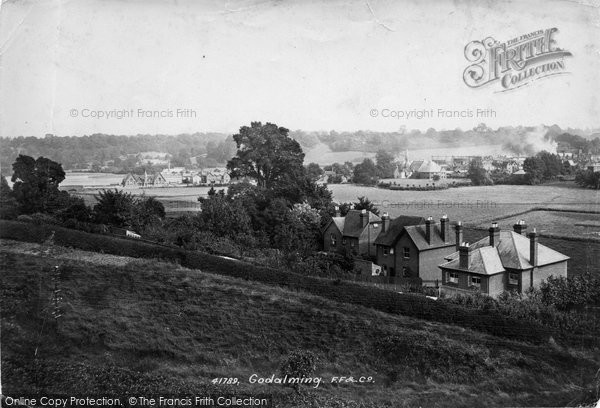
[
  {"x": 364, "y": 203},
  {"x": 314, "y": 171},
  {"x": 535, "y": 168},
  {"x": 588, "y": 179},
  {"x": 224, "y": 217},
  {"x": 36, "y": 184},
  {"x": 385, "y": 164},
  {"x": 365, "y": 172},
  {"x": 8, "y": 204},
  {"x": 478, "y": 175},
  {"x": 266, "y": 153},
  {"x": 552, "y": 164},
  {"x": 114, "y": 207},
  {"x": 146, "y": 211}
]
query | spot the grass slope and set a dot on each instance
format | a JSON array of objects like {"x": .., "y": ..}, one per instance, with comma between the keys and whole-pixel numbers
[{"x": 132, "y": 325}]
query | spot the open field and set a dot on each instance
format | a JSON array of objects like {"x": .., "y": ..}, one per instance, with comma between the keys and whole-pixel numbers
[
  {"x": 573, "y": 224},
  {"x": 472, "y": 205},
  {"x": 146, "y": 322}
]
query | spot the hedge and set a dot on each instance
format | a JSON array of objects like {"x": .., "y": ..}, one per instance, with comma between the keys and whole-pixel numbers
[{"x": 387, "y": 301}]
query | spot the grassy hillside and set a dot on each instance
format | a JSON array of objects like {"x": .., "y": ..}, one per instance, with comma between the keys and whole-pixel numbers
[{"x": 139, "y": 326}]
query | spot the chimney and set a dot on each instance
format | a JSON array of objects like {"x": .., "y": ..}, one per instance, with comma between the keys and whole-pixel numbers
[
  {"x": 337, "y": 211},
  {"x": 494, "y": 234},
  {"x": 533, "y": 248},
  {"x": 464, "y": 258},
  {"x": 385, "y": 222},
  {"x": 428, "y": 223},
  {"x": 458, "y": 230},
  {"x": 520, "y": 227},
  {"x": 364, "y": 218},
  {"x": 445, "y": 228}
]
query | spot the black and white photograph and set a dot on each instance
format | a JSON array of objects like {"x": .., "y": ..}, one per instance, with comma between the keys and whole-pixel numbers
[{"x": 299, "y": 203}]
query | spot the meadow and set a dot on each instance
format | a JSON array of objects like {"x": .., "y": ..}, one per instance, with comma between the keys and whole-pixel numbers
[
  {"x": 132, "y": 324},
  {"x": 472, "y": 205}
]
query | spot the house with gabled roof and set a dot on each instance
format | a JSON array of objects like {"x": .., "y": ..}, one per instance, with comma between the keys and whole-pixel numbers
[
  {"x": 391, "y": 230},
  {"x": 415, "y": 248},
  {"x": 502, "y": 261},
  {"x": 355, "y": 233},
  {"x": 147, "y": 180}
]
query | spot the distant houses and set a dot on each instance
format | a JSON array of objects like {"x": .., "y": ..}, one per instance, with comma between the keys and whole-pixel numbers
[{"x": 146, "y": 180}]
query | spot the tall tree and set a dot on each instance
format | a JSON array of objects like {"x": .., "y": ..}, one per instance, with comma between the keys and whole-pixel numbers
[
  {"x": 266, "y": 153},
  {"x": 114, "y": 207},
  {"x": 36, "y": 184},
  {"x": 535, "y": 169},
  {"x": 385, "y": 164},
  {"x": 365, "y": 172}
]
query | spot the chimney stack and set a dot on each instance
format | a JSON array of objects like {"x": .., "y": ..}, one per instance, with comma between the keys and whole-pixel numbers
[
  {"x": 533, "y": 248},
  {"x": 494, "y": 234},
  {"x": 520, "y": 227},
  {"x": 464, "y": 253},
  {"x": 428, "y": 227},
  {"x": 385, "y": 222},
  {"x": 445, "y": 228},
  {"x": 364, "y": 218},
  {"x": 337, "y": 211},
  {"x": 458, "y": 230}
]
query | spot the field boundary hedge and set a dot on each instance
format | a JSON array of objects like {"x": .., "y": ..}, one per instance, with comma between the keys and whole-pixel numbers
[{"x": 487, "y": 321}]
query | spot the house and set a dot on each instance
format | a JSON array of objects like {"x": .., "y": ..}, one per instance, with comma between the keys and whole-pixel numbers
[
  {"x": 355, "y": 233},
  {"x": 386, "y": 241},
  {"x": 147, "y": 180},
  {"x": 214, "y": 175},
  {"x": 413, "y": 248},
  {"x": 429, "y": 169},
  {"x": 502, "y": 261}
]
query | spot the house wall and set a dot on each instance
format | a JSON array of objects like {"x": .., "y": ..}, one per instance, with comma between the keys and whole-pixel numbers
[
  {"x": 496, "y": 284},
  {"x": 544, "y": 272},
  {"x": 412, "y": 263},
  {"x": 429, "y": 261},
  {"x": 386, "y": 260},
  {"x": 332, "y": 229}
]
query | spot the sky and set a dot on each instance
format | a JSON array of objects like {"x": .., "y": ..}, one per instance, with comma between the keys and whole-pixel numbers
[{"x": 213, "y": 66}]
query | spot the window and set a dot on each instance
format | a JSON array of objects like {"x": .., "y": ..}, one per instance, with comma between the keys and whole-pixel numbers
[
  {"x": 391, "y": 251},
  {"x": 343, "y": 241},
  {"x": 384, "y": 269},
  {"x": 333, "y": 240},
  {"x": 513, "y": 279},
  {"x": 452, "y": 277},
  {"x": 406, "y": 252},
  {"x": 405, "y": 272},
  {"x": 386, "y": 251},
  {"x": 476, "y": 281},
  {"x": 352, "y": 243},
  {"x": 375, "y": 225}
]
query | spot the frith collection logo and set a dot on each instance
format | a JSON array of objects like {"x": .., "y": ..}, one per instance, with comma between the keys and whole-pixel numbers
[{"x": 514, "y": 63}]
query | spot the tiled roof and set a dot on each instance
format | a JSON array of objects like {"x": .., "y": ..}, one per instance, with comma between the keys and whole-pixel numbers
[
  {"x": 483, "y": 261},
  {"x": 352, "y": 223},
  {"x": 417, "y": 234},
  {"x": 429, "y": 167},
  {"x": 414, "y": 166},
  {"x": 513, "y": 251},
  {"x": 395, "y": 229}
]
